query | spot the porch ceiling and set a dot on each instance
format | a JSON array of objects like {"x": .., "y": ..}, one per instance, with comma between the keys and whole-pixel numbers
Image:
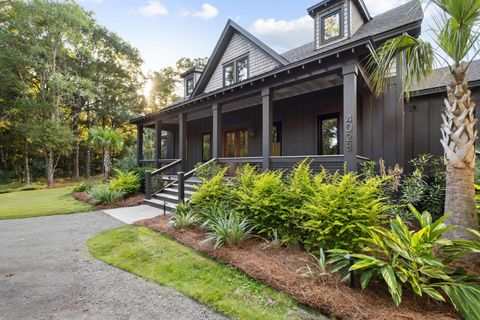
[{"x": 311, "y": 85}]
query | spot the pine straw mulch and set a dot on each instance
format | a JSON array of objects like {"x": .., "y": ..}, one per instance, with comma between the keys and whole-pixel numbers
[
  {"x": 130, "y": 201},
  {"x": 282, "y": 268}
]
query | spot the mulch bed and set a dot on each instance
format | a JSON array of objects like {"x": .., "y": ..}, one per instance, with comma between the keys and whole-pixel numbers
[
  {"x": 130, "y": 201},
  {"x": 282, "y": 268}
]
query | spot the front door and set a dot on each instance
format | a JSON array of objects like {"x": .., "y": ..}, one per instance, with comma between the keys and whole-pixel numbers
[{"x": 235, "y": 145}]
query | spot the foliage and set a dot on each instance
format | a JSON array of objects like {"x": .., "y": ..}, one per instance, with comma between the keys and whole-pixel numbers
[
  {"x": 154, "y": 256},
  {"x": 230, "y": 229},
  {"x": 207, "y": 171},
  {"x": 320, "y": 266},
  {"x": 300, "y": 208},
  {"x": 61, "y": 75},
  {"x": 424, "y": 187},
  {"x": 83, "y": 187},
  {"x": 126, "y": 181},
  {"x": 342, "y": 208},
  {"x": 415, "y": 259},
  {"x": 212, "y": 191},
  {"x": 213, "y": 213},
  {"x": 104, "y": 194},
  {"x": 184, "y": 216}
]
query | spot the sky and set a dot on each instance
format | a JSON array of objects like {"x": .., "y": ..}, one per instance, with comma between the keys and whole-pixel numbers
[{"x": 166, "y": 30}]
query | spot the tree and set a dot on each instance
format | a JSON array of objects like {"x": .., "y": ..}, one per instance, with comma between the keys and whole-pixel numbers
[
  {"x": 166, "y": 82},
  {"x": 107, "y": 141},
  {"x": 456, "y": 34}
]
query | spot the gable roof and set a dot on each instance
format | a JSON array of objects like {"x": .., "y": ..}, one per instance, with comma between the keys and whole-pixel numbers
[
  {"x": 230, "y": 28},
  {"x": 405, "y": 14},
  {"x": 439, "y": 78},
  {"x": 325, "y": 3}
]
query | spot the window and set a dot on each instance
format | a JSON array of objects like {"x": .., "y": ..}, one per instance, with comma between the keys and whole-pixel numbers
[
  {"x": 331, "y": 27},
  {"x": 189, "y": 85},
  {"x": 235, "y": 71},
  {"x": 328, "y": 132},
  {"x": 206, "y": 147},
  {"x": 228, "y": 74},
  {"x": 242, "y": 69}
]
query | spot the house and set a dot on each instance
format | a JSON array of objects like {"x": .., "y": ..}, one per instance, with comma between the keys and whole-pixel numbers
[{"x": 251, "y": 104}]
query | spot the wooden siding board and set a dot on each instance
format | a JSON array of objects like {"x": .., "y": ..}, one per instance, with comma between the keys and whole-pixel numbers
[{"x": 259, "y": 61}]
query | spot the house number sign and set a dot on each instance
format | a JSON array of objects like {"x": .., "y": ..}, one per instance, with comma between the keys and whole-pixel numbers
[{"x": 348, "y": 133}]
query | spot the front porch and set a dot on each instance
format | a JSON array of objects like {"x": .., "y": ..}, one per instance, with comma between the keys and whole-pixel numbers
[{"x": 272, "y": 127}]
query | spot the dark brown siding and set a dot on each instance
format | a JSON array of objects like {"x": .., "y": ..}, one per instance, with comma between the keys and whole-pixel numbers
[{"x": 422, "y": 124}]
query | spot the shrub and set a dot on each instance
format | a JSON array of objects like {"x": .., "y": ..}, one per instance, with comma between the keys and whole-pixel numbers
[
  {"x": 213, "y": 213},
  {"x": 83, "y": 187},
  {"x": 230, "y": 229},
  {"x": 208, "y": 171},
  {"x": 212, "y": 191},
  {"x": 127, "y": 182},
  {"x": 183, "y": 217},
  {"x": 415, "y": 259},
  {"x": 262, "y": 197},
  {"x": 342, "y": 206},
  {"x": 104, "y": 194}
]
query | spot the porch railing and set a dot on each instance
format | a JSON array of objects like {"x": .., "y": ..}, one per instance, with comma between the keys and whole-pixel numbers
[
  {"x": 154, "y": 179},
  {"x": 331, "y": 163}
]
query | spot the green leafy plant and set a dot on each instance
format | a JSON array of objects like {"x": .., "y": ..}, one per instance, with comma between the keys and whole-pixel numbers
[
  {"x": 416, "y": 259},
  {"x": 320, "y": 269},
  {"x": 126, "y": 181},
  {"x": 340, "y": 211},
  {"x": 83, "y": 187},
  {"x": 104, "y": 194},
  {"x": 212, "y": 191},
  {"x": 230, "y": 229},
  {"x": 183, "y": 217},
  {"x": 208, "y": 171}
]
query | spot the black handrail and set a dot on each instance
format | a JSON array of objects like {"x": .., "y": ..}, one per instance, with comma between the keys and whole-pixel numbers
[
  {"x": 150, "y": 174},
  {"x": 182, "y": 176}
]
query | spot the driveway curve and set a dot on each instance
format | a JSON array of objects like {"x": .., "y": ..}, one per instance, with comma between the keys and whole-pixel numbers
[{"x": 46, "y": 272}]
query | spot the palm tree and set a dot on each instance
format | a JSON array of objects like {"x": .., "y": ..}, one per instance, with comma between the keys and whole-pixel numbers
[
  {"x": 455, "y": 33},
  {"x": 107, "y": 141}
]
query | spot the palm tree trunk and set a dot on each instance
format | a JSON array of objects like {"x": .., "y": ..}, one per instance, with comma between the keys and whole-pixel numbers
[
  {"x": 107, "y": 163},
  {"x": 458, "y": 140}
]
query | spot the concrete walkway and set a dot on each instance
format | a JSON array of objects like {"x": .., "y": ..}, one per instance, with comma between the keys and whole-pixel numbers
[
  {"x": 46, "y": 272},
  {"x": 129, "y": 215}
]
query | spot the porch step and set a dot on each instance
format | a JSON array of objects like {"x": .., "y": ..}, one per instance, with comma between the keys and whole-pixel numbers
[
  {"x": 168, "y": 198},
  {"x": 169, "y": 207}
]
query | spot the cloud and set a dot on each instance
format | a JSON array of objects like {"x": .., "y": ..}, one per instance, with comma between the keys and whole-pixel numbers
[
  {"x": 208, "y": 12},
  {"x": 284, "y": 34},
  {"x": 153, "y": 8}
]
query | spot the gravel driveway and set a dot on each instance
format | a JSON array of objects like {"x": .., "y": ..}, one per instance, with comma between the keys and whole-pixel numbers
[{"x": 46, "y": 272}]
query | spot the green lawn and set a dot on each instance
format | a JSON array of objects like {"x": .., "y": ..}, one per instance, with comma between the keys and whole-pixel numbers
[
  {"x": 152, "y": 255},
  {"x": 44, "y": 202}
]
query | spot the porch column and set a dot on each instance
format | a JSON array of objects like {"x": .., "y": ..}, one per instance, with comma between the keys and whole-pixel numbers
[
  {"x": 139, "y": 144},
  {"x": 158, "y": 142},
  {"x": 350, "y": 139},
  {"x": 182, "y": 139},
  {"x": 267, "y": 116},
  {"x": 217, "y": 131}
]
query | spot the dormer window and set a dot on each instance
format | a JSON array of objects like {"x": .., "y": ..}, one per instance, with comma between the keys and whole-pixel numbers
[
  {"x": 235, "y": 71},
  {"x": 189, "y": 85}
]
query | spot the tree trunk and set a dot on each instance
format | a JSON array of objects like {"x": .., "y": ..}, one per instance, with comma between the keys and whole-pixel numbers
[
  {"x": 49, "y": 159},
  {"x": 89, "y": 152},
  {"x": 76, "y": 155},
  {"x": 26, "y": 165},
  {"x": 107, "y": 164},
  {"x": 458, "y": 140},
  {"x": 87, "y": 163}
]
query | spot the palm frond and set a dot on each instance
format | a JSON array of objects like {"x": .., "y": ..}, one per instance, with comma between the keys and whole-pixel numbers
[{"x": 415, "y": 55}]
